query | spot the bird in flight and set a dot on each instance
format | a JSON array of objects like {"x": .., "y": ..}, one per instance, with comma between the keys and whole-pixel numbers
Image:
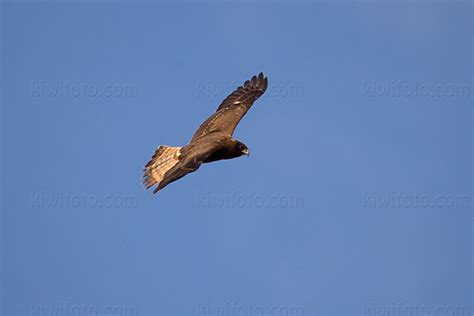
[{"x": 211, "y": 142}]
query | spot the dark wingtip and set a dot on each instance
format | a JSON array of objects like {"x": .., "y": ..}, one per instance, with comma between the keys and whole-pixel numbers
[
  {"x": 257, "y": 81},
  {"x": 160, "y": 186},
  {"x": 261, "y": 81}
]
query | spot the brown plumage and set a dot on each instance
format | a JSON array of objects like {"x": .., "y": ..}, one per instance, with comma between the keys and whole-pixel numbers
[{"x": 211, "y": 142}]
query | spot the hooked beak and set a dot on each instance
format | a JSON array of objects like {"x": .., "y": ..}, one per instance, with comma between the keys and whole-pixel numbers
[{"x": 246, "y": 152}]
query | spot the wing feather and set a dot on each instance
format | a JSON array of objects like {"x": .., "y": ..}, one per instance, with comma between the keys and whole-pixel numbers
[{"x": 233, "y": 108}]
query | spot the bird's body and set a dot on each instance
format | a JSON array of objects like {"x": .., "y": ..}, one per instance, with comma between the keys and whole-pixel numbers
[
  {"x": 217, "y": 146},
  {"x": 212, "y": 141}
]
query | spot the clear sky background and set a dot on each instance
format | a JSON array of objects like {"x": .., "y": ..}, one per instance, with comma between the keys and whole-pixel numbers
[{"x": 366, "y": 127}]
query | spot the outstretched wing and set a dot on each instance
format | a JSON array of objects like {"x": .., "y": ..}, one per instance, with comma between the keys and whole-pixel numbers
[
  {"x": 164, "y": 159},
  {"x": 169, "y": 164},
  {"x": 177, "y": 172},
  {"x": 233, "y": 108}
]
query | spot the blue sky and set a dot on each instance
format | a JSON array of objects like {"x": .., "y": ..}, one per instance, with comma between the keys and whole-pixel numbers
[{"x": 356, "y": 199}]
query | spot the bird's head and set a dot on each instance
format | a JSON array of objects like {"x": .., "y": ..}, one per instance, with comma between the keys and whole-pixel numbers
[{"x": 242, "y": 148}]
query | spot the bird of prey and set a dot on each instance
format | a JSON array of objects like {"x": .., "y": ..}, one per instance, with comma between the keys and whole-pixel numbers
[{"x": 211, "y": 142}]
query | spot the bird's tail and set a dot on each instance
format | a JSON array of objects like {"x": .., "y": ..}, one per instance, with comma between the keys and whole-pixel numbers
[{"x": 164, "y": 158}]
